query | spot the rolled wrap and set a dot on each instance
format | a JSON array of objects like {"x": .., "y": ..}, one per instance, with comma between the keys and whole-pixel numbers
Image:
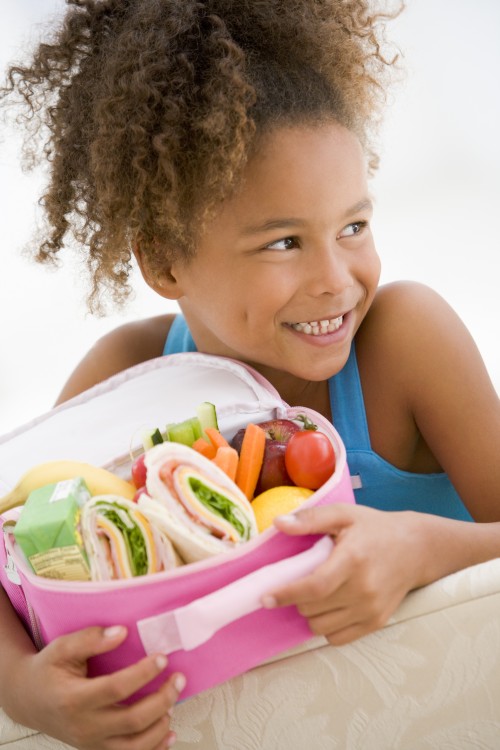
[
  {"x": 194, "y": 502},
  {"x": 121, "y": 542}
]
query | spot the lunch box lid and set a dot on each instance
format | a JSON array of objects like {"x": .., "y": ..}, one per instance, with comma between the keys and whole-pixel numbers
[{"x": 110, "y": 418}]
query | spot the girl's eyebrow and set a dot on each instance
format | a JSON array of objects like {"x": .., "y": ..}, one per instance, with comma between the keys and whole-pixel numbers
[
  {"x": 285, "y": 223},
  {"x": 364, "y": 205}
]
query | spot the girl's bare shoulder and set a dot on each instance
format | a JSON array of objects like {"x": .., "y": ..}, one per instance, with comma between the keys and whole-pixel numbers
[
  {"x": 411, "y": 346},
  {"x": 405, "y": 318},
  {"x": 396, "y": 301},
  {"x": 121, "y": 348},
  {"x": 425, "y": 382}
]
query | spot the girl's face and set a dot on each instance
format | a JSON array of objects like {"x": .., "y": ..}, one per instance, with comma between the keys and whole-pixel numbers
[{"x": 287, "y": 269}]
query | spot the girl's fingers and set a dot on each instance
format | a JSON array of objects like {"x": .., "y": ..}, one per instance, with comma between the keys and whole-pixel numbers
[
  {"x": 348, "y": 634},
  {"x": 73, "y": 651},
  {"x": 116, "y": 687},
  {"x": 326, "y": 519},
  {"x": 144, "y": 713},
  {"x": 315, "y": 587},
  {"x": 76, "y": 648},
  {"x": 154, "y": 736}
]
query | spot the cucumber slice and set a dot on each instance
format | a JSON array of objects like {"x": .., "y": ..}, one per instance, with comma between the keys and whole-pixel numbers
[
  {"x": 168, "y": 427},
  {"x": 185, "y": 432},
  {"x": 182, "y": 432},
  {"x": 196, "y": 427},
  {"x": 157, "y": 437},
  {"x": 207, "y": 415},
  {"x": 153, "y": 437}
]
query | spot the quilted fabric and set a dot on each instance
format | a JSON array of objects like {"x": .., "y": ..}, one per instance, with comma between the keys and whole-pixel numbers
[{"x": 429, "y": 679}]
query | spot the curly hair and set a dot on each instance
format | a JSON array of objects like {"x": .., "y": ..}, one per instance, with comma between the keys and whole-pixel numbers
[{"x": 147, "y": 111}]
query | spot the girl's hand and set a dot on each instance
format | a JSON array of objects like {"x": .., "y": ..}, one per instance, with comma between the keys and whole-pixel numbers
[
  {"x": 85, "y": 712},
  {"x": 372, "y": 567}
]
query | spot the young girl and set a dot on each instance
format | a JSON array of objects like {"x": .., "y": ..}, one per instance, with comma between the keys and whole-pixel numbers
[{"x": 226, "y": 145}]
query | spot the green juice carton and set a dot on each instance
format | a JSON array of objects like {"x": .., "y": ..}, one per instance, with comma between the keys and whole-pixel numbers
[{"x": 48, "y": 530}]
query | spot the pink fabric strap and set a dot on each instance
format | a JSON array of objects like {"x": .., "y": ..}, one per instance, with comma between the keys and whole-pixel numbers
[{"x": 193, "y": 624}]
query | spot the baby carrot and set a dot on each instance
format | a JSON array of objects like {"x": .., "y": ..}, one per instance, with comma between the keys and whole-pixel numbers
[
  {"x": 227, "y": 459},
  {"x": 205, "y": 448},
  {"x": 251, "y": 457},
  {"x": 216, "y": 438}
]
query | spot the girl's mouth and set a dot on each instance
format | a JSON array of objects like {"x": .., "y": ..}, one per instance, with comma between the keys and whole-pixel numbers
[{"x": 319, "y": 327}]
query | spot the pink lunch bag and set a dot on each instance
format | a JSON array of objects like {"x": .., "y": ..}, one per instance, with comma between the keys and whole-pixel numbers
[{"x": 206, "y": 615}]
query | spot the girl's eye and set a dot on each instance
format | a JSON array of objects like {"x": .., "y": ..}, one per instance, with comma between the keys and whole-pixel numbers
[
  {"x": 287, "y": 243},
  {"x": 352, "y": 229}
]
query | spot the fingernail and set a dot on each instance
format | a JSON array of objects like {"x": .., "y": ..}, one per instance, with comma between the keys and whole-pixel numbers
[
  {"x": 289, "y": 520},
  {"x": 161, "y": 661},
  {"x": 172, "y": 737},
  {"x": 268, "y": 602},
  {"x": 170, "y": 712},
  {"x": 179, "y": 683},
  {"x": 114, "y": 631}
]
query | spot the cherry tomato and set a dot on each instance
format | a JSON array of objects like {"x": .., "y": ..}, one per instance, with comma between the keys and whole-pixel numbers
[
  {"x": 139, "y": 471},
  {"x": 309, "y": 459}
]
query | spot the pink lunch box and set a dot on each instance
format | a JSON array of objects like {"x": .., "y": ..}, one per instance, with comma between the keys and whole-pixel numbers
[{"x": 206, "y": 616}]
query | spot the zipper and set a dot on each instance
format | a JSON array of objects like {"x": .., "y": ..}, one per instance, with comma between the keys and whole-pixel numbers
[
  {"x": 10, "y": 568},
  {"x": 35, "y": 627},
  {"x": 12, "y": 572},
  {"x": 14, "y": 577}
]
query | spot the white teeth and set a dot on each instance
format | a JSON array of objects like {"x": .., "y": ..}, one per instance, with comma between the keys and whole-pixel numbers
[{"x": 317, "y": 328}]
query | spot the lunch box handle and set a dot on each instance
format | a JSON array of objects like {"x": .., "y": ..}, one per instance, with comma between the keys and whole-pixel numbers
[{"x": 193, "y": 624}]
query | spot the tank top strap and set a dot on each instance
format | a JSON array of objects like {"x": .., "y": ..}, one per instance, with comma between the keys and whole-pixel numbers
[
  {"x": 179, "y": 337},
  {"x": 347, "y": 405}
]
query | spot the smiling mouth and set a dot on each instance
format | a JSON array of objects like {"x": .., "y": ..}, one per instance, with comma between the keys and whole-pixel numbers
[{"x": 318, "y": 327}]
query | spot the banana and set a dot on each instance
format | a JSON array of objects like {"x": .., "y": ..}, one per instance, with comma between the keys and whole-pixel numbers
[{"x": 99, "y": 481}]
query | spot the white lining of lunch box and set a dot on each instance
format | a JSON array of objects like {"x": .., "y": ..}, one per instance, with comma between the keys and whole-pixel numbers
[{"x": 105, "y": 421}]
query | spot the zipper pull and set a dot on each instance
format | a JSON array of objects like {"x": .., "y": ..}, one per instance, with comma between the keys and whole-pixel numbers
[
  {"x": 11, "y": 571},
  {"x": 356, "y": 482}
]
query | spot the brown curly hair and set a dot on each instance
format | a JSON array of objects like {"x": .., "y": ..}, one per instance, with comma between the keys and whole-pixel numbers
[{"x": 147, "y": 111}]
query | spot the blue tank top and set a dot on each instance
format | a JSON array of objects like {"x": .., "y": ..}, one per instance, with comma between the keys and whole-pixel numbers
[{"x": 376, "y": 482}]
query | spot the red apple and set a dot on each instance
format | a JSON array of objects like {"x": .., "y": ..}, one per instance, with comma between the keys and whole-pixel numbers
[
  {"x": 273, "y": 472},
  {"x": 277, "y": 430},
  {"x": 280, "y": 430}
]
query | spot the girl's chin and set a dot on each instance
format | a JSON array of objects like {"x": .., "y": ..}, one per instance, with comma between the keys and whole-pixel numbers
[{"x": 309, "y": 370}]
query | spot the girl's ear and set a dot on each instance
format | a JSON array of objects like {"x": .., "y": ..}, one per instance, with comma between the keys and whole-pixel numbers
[{"x": 164, "y": 284}]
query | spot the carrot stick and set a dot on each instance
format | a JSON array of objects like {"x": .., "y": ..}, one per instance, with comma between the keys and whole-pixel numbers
[
  {"x": 251, "y": 457},
  {"x": 216, "y": 438},
  {"x": 205, "y": 448},
  {"x": 227, "y": 459}
]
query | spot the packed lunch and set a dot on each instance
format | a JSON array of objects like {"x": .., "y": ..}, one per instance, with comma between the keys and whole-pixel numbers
[{"x": 192, "y": 493}]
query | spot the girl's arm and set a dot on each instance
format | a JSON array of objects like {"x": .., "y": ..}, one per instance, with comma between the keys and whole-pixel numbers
[{"x": 423, "y": 356}]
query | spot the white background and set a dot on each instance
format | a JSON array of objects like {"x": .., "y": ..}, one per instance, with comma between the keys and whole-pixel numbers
[{"x": 437, "y": 200}]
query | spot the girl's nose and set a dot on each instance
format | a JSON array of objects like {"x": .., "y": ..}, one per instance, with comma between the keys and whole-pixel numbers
[{"x": 329, "y": 271}]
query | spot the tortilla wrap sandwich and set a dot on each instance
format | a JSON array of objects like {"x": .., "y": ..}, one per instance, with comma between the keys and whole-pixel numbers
[
  {"x": 194, "y": 502},
  {"x": 121, "y": 542}
]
